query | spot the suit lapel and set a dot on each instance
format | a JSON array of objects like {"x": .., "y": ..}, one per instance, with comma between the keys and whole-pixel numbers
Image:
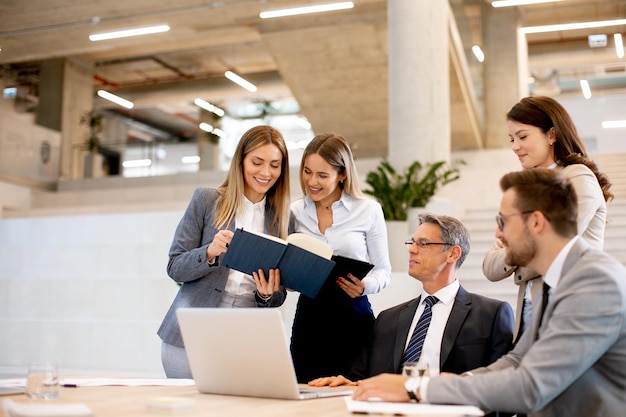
[
  {"x": 402, "y": 333},
  {"x": 460, "y": 309},
  {"x": 575, "y": 253}
]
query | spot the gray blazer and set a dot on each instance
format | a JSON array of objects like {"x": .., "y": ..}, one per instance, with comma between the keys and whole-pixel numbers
[
  {"x": 202, "y": 284},
  {"x": 576, "y": 366}
]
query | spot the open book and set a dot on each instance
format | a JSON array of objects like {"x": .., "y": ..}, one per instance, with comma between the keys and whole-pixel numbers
[{"x": 305, "y": 262}]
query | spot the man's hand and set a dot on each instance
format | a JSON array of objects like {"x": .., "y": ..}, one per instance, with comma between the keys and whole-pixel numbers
[
  {"x": 384, "y": 387},
  {"x": 331, "y": 381},
  {"x": 264, "y": 287}
]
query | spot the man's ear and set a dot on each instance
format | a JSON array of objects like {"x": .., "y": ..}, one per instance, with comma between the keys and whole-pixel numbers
[
  {"x": 454, "y": 254},
  {"x": 538, "y": 222}
]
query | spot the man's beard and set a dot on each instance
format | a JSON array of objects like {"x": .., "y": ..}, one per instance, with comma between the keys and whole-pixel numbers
[{"x": 522, "y": 254}]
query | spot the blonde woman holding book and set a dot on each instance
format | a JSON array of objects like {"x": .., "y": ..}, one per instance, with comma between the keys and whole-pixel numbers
[{"x": 255, "y": 195}]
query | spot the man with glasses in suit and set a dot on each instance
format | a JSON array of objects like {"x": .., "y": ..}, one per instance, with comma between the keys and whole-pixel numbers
[{"x": 465, "y": 330}]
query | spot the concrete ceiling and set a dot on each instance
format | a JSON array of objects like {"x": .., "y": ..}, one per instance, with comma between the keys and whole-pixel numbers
[{"x": 333, "y": 64}]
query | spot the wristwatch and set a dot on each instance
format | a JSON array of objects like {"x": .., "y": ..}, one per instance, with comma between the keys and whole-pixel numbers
[{"x": 412, "y": 385}]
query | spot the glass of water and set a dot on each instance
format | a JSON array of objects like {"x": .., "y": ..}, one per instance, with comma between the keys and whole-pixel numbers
[{"x": 42, "y": 381}]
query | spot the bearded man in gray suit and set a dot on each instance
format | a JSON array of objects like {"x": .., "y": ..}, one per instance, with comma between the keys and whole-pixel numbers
[{"x": 572, "y": 359}]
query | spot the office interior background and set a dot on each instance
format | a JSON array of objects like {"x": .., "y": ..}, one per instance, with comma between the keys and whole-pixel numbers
[{"x": 84, "y": 235}]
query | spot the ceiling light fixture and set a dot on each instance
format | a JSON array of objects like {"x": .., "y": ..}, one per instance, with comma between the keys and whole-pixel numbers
[
  {"x": 190, "y": 159},
  {"x": 478, "y": 53},
  {"x": 318, "y": 8},
  {"x": 116, "y": 99},
  {"x": 509, "y": 3},
  {"x": 584, "y": 86},
  {"x": 612, "y": 124},
  {"x": 619, "y": 45},
  {"x": 573, "y": 26},
  {"x": 137, "y": 163},
  {"x": 240, "y": 81},
  {"x": 128, "y": 32},
  {"x": 209, "y": 107},
  {"x": 206, "y": 127}
]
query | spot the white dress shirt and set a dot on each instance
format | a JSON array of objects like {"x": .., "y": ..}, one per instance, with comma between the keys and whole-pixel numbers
[
  {"x": 358, "y": 231},
  {"x": 431, "y": 351},
  {"x": 252, "y": 218}
]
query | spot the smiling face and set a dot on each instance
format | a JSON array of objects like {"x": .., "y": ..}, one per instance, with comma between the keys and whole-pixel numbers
[
  {"x": 321, "y": 180},
  {"x": 532, "y": 146},
  {"x": 261, "y": 169},
  {"x": 515, "y": 235}
]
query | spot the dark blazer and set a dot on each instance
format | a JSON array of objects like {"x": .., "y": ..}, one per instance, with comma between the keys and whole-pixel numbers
[
  {"x": 202, "y": 284},
  {"x": 479, "y": 331}
]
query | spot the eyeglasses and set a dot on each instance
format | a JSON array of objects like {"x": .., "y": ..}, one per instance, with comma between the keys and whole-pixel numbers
[
  {"x": 423, "y": 244},
  {"x": 500, "y": 218}
]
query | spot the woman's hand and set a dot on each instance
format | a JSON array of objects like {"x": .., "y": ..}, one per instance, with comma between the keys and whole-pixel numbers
[
  {"x": 352, "y": 286},
  {"x": 219, "y": 245},
  {"x": 267, "y": 287}
]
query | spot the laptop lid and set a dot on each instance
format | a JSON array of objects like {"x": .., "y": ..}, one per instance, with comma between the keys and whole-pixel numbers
[{"x": 241, "y": 351}]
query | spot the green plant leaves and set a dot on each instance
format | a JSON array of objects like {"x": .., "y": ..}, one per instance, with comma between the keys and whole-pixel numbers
[{"x": 397, "y": 191}]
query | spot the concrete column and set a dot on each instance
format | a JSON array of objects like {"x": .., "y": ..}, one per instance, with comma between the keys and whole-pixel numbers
[
  {"x": 505, "y": 71},
  {"x": 65, "y": 93},
  {"x": 419, "y": 82}
]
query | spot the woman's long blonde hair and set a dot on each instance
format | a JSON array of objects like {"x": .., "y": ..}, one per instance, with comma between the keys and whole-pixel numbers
[{"x": 231, "y": 191}]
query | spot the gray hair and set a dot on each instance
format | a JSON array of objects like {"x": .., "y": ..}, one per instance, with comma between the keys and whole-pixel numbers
[{"x": 452, "y": 231}]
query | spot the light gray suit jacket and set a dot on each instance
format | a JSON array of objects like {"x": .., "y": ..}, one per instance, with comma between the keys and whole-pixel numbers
[
  {"x": 577, "y": 364},
  {"x": 202, "y": 284}
]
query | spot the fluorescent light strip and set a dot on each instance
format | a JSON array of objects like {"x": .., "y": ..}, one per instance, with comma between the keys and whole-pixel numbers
[
  {"x": 206, "y": 127},
  {"x": 137, "y": 163},
  {"x": 573, "y": 26},
  {"x": 478, "y": 53},
  {"x": 128, "y": 32},
  {"x": 612, "y": 124},
  {"x": 619, "y": 45},
  {"x": 584, "y": 86},
  {"x": 328, "y": 7},
  {"x": 209, "y": 107},
  {"x": 190, "y": 159},
  {"x": 509, "y": 3},
  {"x": 240, "y": 81},
  {"x": 116, "y": 99},
  {"x": 219, "y": 132}
]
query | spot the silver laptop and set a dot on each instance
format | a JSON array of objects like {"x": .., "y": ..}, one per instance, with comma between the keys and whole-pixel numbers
[{"x": 243, "y": 351}]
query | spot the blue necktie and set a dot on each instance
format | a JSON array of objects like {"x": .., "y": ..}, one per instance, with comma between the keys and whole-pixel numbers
[{"x": 414, "y": 349}]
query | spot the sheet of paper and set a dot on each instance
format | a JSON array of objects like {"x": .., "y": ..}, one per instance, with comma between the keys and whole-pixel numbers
[
  {"x": 130, "y": 382},
  {"x": 418, "y": 409}
]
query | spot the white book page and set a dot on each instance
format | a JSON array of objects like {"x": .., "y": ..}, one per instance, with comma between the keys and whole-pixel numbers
[{"x": 311, "y": 244}]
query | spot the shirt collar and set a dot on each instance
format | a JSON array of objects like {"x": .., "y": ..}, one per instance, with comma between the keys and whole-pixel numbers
[
  {"x": 345, "y": 200},
  {"x": 256, "y": 207},
  {"x": 554, "y": 271},
  {"x": 446, "y": 295}
]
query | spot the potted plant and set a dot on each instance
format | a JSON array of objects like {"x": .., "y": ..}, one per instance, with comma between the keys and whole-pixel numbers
[
  {"x": 93, "y": 162},
  {"x": 414, "y": 187},
  {"x": 93, "y": 121}
]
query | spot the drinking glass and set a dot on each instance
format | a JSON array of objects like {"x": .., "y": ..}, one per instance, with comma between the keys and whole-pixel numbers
[{"x": 42, "y": 381}]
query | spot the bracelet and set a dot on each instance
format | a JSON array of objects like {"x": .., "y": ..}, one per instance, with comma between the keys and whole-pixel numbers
[{"x": 264, "y": 297}]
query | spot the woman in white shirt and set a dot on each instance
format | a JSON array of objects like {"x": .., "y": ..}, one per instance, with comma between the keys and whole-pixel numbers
[
  {"x": 328, "y": 331},
  {"x": 543, "y": 134},
  {"x": 255, "y": 195}
]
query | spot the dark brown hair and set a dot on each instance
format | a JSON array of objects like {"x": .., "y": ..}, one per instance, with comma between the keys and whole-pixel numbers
[
  {"x": 548, "y": 191},
  {"x": 546, "y": 113}
]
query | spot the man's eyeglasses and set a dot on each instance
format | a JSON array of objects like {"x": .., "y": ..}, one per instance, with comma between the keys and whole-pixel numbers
[
  {"x": 500, "y": 218},
  {"x": 423, "y": 244}
]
